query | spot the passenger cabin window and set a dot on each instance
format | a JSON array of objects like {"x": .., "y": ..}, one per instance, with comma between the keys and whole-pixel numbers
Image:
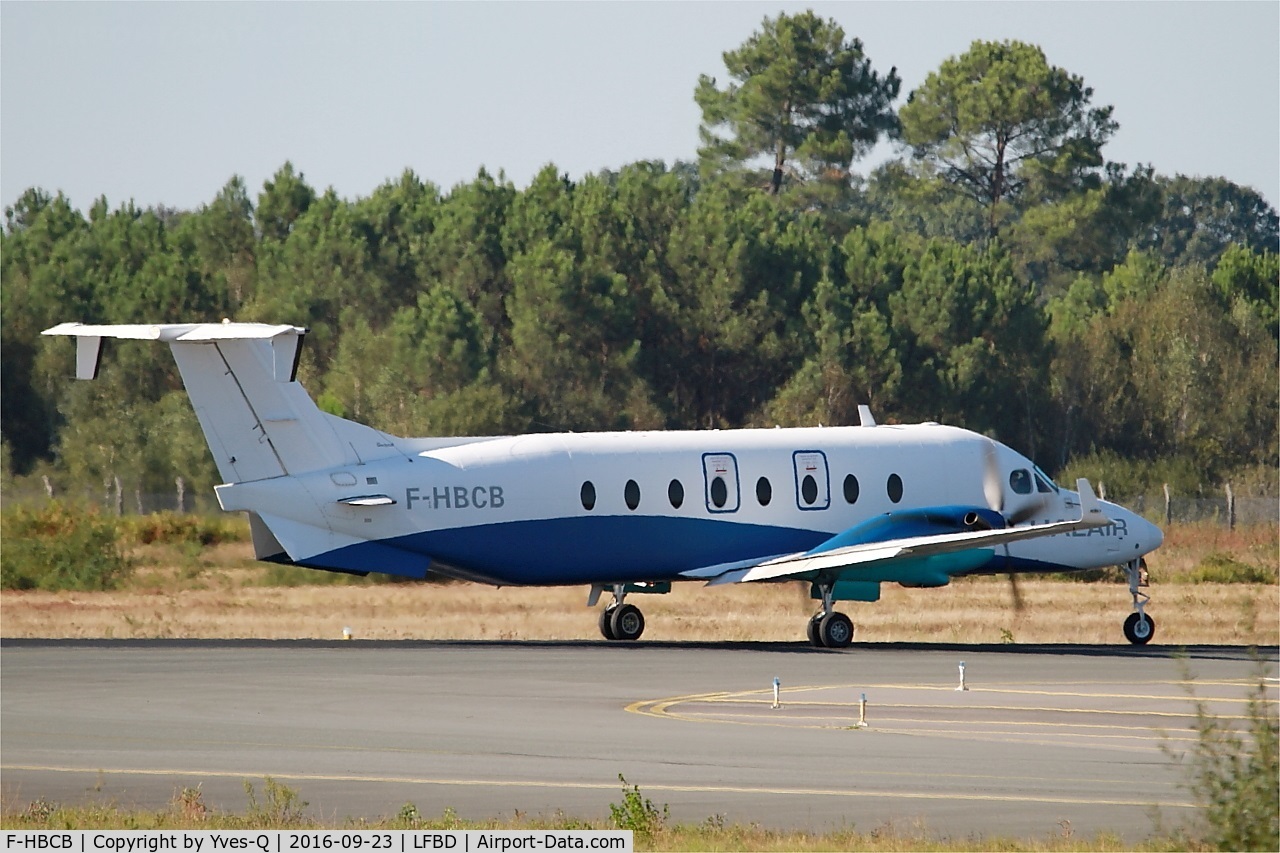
[
  {"x": 675, "y": 493},
  {"x": 894, "y": 488},
  {"x": 631, "y": 494},
  {"x": 719, "y": 492},
  {"x": 850, "y": 489},
  {"x": 808, "y": 490},
  {"x": 588, "y": 496},
  {"x": 764, "y": 491},
  {"x": 1020, "y": 481}
]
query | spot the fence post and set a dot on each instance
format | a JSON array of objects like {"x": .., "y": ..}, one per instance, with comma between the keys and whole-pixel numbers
[
  {"x": 1168, "y": 506},
  {"x": 182, "y": 494},
  {"x": 1231, "y": 509}
]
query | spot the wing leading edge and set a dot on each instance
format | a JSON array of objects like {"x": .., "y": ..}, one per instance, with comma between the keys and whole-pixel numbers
[{"x": 805, "y": 564}]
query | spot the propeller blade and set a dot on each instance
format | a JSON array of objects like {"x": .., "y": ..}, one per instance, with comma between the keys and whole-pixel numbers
[
  {"x": 1028, "y": 511},
  {"x": 1015, "y": 593},
  {"x": 992, "y": 482}
]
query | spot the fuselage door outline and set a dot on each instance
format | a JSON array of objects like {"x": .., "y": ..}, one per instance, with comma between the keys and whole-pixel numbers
[
  {"x": 720, "y": 482},
  {"x": 813, "y": 480}
]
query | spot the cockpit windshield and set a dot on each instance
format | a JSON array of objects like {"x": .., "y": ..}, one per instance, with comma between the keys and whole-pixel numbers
[{"x": 1043, "y": 483}]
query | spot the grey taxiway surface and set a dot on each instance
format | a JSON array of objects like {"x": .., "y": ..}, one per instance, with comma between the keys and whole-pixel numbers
[{"x": 1044, "y": 739}]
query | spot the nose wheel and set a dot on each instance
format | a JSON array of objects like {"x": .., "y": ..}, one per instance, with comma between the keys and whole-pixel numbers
[{"x": 1139, "y": 628}]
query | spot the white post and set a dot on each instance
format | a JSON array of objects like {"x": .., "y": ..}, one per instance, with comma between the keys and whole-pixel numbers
[
  {"x": 962, "y": 686},
  {"x": 777, "y": 685},
  {"x": 862, "y": 712}
]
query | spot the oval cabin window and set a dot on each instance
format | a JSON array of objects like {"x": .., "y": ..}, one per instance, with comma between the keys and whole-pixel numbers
[
  {"x": 764, "y": 491},
  {"x": 894, "y": 487},
  {"x": 631, "y": 494},
  {"x": 719, "y": 492},
  {"x": 588, "y": 496},
  {"x": 851, "y": 489},
  {"x": 809, "y": 489},
  {"x": 675, "y": 493}
]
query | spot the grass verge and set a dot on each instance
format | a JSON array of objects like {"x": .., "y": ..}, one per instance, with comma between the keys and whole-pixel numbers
[{"x": 281, "y": 807}]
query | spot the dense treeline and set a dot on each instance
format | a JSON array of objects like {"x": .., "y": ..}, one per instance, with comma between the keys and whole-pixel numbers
[{"x": 1000, "y": 274}]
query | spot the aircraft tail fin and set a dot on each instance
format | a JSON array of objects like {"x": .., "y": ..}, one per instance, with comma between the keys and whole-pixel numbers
[{"x": 241, "y": 378}]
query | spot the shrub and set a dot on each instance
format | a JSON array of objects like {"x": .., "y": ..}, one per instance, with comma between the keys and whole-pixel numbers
[
  {"x": 637, "y": 813},
  {"x": 281, "y": 806},
  {"x": 1223, "y": 568},
  {"x": 170, "y": 528},
  {"x": 61, "y": 547},
  {"x": 1232, "y": 775}
]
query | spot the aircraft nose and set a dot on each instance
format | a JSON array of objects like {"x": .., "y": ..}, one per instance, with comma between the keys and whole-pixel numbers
[{"x": 1149, "y": 536}]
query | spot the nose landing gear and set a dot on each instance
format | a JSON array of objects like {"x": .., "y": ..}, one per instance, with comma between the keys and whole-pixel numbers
[{"x": 1139, "y": 628}]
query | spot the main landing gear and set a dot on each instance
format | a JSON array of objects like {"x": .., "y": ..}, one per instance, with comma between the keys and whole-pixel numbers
[
  {"x": 618, "y": 621},
  {"x": 829, "y": 629},
  {"x": 1139, "y": 628}
]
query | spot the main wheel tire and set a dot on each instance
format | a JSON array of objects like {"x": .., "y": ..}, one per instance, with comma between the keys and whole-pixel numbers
[
  {"x": 811, "y": 630},
  {"x": 1139, "y": 629},
  {"x": 606, "y": 623},
  {"x": 627, "y": 622},
  {"x": 836, "y": 631}
]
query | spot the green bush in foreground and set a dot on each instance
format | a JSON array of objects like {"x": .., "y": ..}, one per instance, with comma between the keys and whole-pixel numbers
[
  {"x": 60, "y": 547},
  {"x": 1235, "y": 776}
]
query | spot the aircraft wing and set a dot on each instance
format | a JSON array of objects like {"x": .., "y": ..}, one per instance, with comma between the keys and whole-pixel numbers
[{"x": 806, "y": 564}]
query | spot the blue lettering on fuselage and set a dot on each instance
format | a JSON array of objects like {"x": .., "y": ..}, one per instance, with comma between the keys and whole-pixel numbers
[
  {"x": 454, "y": 497},
  {"x": 1118, "y": 527}
]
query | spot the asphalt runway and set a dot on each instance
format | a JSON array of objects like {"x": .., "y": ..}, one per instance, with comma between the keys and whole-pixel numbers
[{"x": 1046, "y": 739}]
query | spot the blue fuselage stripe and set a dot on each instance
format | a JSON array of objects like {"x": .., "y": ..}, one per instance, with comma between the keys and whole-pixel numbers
[{"x": 577, "y": 550}]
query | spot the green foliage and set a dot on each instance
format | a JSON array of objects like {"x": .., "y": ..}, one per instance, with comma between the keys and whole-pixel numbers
[
  {"x": 637, "y": 813},
  {"x": 1232, "y": 774},
  {"x": 60, "y": 547},
  {"x": 1223, "y": 568},
  {"x": 281, "y": 806},
  {"x": 172, "y": 528},
  {"x": 1201, "y": 217},
  {"x": 999, "y": 275},
  {"x": 1127, "y": 477},
  {"x": 999, "y": 123},
  {"x": 800, "y": 92}
]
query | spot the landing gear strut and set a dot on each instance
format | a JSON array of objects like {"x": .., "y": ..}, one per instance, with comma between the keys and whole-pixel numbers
[
  {"x": 829, "y": 628},
  {"x": 1139, "y": 628},
  {"x": 620, "y": 621}
]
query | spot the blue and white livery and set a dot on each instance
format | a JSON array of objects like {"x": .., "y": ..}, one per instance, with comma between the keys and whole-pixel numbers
[{"x": 844, "y": 509}]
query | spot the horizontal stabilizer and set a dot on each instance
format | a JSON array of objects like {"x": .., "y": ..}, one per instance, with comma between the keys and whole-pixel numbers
[{"x": 241, "y": 378}]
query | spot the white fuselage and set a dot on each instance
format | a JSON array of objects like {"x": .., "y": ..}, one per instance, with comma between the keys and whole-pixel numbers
[{"x": 512, "y": 510}]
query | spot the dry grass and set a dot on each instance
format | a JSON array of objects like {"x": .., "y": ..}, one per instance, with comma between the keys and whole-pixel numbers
[
  {"x": 216, "y": 592},
  {"x": 971, "y": 611}
]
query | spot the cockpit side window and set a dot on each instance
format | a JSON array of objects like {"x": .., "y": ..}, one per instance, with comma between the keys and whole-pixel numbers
[
  {"x": 1043, "y": 483},
  {"x": 1020, "y": 481}
]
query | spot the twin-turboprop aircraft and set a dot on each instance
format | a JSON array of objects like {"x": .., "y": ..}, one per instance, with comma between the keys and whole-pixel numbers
[{"x": 844, "y": 509}]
